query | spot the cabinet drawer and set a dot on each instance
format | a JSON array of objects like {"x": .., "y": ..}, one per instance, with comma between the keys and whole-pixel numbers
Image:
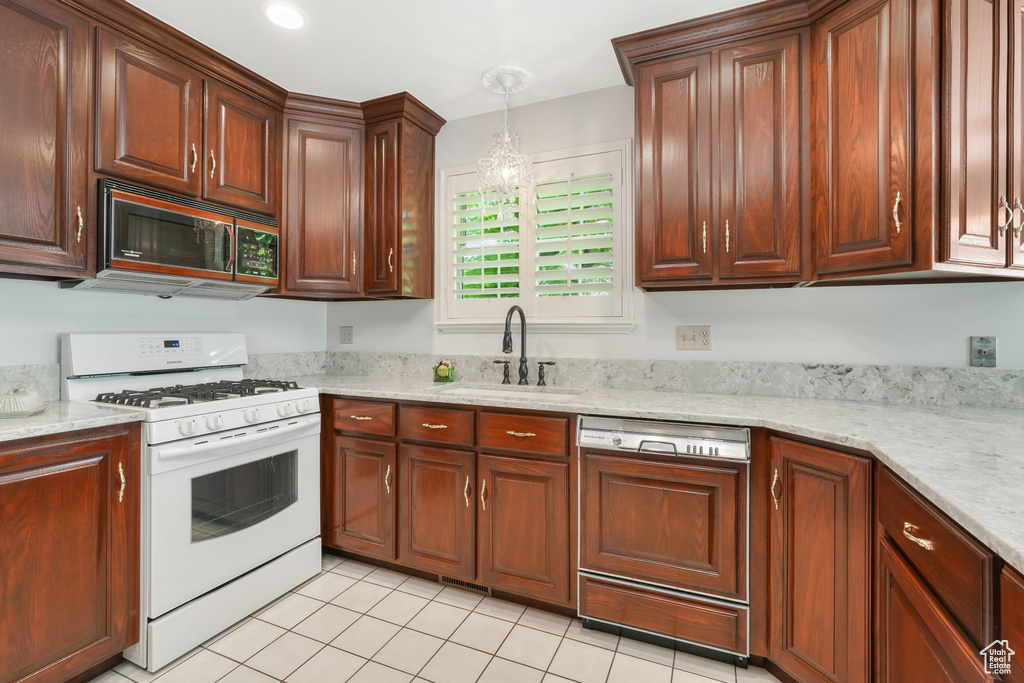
[
  {"x": 364, "y": 417},
  {"x": 955, "y": 566},
  {"x": 712, "y": 624},
  {"x": 524, "y": 433},
  {"x": 443, "y": 425}
]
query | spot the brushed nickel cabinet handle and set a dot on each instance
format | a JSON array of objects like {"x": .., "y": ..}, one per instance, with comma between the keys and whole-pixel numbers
[
  {"x": 1017, "y": 207},
  {"x": 387, "y": 480},
  {"x": 465, "y": 491},
  {"x": 775, "y": 481},
  {"x": 483, "y": 493},
  {"x": 120, "y": 494},
  {"x": 195, "y": 158},
  {"x": 81, "y": 223},
  {"x": 360, "y": 417},
  {"x": 521, "y": 434},
  {"x": 213, "y": 164},
  {"x": 911, "y": 531},
  {"x": 705, "y": 238},
  {"x": 726, "y": 236},
  {"x": 1003, "y": 204},
  {"x": 430, "y": 426},
  {"x": 896, "y": 212},
  {"x": 391, "y": 252}
]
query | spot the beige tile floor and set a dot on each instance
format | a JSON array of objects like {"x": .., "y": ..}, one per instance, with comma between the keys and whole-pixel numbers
[{"x": 363, "y": 624}]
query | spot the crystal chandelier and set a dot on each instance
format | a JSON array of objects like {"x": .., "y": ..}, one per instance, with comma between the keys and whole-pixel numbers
[{"x": 505, "y": 169}]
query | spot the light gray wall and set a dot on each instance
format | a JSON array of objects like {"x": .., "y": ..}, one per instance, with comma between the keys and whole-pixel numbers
[
  {"x": 34, "y": 314},
  {"x": 886, "y": 325}
]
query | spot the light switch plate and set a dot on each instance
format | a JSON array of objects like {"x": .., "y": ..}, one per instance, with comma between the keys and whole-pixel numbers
[
  {"x": 983, "y": 352},
  {"x": 347, "y": 334},
  {"x": 693, "y": 337}
]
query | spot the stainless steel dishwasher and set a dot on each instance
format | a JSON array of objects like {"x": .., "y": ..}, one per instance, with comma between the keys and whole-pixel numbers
[{"x": 664, "y": 547}]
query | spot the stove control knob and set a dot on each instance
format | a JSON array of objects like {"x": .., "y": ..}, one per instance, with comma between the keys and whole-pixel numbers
[
  {"x": 251, "y": 415},
  {"x": 214, "y": 422},
  {"x": 187, "y": 427},
  {"x": 303, "y": 406},
  {"x": 617, "y": 440},
  {"x": 284, "y": 409}
]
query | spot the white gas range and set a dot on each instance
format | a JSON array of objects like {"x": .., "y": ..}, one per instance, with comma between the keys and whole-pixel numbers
[{"x": 231, "y": 478}]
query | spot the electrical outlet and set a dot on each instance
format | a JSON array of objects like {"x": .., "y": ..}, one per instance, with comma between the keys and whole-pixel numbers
[
  {"x": 347, "y": 332},
  {"x": 693, "y": 337},
  {"x": 983, "y": 352}
]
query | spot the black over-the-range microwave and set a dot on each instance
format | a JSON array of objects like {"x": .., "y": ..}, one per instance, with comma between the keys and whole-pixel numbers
[{"x": 158, "y": 243}]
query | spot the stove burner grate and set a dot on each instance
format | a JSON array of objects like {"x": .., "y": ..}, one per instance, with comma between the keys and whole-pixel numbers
[{"x": 179, "y": 394}]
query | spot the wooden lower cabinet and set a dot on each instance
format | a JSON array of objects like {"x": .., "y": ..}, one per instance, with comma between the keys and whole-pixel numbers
[
  {"x": 819, "y": 565},
  {"x": 436, "y": 510},
  {"x": 1012, "y": 627},
  {"x": 523, "y": 527},
  {"x": 69, "y": 552},
  {"x": 916, "y": 640},
  {"x": 361, "y": 485}
]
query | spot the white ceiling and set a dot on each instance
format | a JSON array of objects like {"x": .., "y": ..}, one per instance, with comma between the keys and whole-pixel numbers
[{"x": 359, "y": 50}]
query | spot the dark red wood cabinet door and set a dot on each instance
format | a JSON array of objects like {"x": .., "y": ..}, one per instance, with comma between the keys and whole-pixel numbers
[
  {"x": 363, "y": 490},
  {"x": 759, "y": 227},
  {"x": 1012, "y": 628},
  {"x": 862, "y": 133},
  {"x": 69, "y": 542},
  {"x": 241, "y": 160},
  {"x": 46, "y": 221},
  {"x": 381, "y": 245},
  {"x": 976, "y": 43},
  {"x": 148, "y": 116},
  {"x": 673, "y": 137},
  {"x": 436, "y": 519},
  {"x": 819, "y": 563},
  {"x": 915, "y": 639},
  {"x": 523, "y": 527},
  {"x": 680, "y": 524},
  {"x": 1015, "y": 133},
  {"x": 324, "y": 208}
]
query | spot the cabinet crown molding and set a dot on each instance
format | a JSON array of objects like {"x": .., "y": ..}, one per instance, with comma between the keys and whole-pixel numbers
[
  {"x": 402, "y": 105},
  {"x": 300, "y": 104},
  {"x": 707, "y": 31}
]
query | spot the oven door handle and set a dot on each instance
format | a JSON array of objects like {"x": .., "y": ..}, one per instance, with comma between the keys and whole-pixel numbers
[{"x": 180, "y": 454}]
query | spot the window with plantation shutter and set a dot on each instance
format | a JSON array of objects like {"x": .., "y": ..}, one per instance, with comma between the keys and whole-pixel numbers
[{"x": 562, "y": 256}]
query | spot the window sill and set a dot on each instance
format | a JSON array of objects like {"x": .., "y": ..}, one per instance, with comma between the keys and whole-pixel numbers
[{"x": 564, "y": 326}]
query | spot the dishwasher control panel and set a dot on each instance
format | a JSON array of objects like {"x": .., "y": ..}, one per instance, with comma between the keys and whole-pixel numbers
[{"x": 664, "y": 438}]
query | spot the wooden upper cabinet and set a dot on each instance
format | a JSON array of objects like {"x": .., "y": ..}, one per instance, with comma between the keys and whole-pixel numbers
[
  {"x": 863, "y": 190},
  {"x": 45, "y": 227},
  {"x": 722, "y": 187},
  {"x": 819, "y": 565},
  {"x": 240, "y": 160},
  {"x": 1015, "y": 134},
  {"x": 322, "y": 222},
  {"x": 673, "y": 137},
  {"x": 762, "y": 185},
  {"x": 69, "y": 591},
  {"x": 148, "y": 122},
  {"x": 398, "y": 234}
]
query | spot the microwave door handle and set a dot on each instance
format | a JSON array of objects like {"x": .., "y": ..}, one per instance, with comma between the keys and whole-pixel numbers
[{"x": 230, "y": 250}]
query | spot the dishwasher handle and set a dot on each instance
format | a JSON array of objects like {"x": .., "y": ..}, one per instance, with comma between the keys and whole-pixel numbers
[{"x": 660, "y": 447}]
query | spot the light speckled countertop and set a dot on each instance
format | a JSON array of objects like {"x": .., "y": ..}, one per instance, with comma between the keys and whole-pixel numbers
[
  {"x": 62, "y": 416},
  {"x": 968, "y": 461}
]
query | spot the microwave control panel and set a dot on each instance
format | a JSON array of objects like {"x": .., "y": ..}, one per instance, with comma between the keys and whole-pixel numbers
[{"x": 182, "y": 346}]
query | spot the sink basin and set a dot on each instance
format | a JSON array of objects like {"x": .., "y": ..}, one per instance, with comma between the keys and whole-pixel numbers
[{"x": 510, "y": 391}]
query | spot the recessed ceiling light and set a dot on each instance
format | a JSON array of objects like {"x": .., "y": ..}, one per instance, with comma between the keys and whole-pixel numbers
[{"x": 283, "y": 15}]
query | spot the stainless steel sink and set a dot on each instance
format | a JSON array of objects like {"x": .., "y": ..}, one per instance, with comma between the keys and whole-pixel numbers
[{"x": 508, "y": 391}]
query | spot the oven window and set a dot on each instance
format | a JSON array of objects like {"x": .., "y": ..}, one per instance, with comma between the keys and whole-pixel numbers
[{"x": 231, "y": 500}]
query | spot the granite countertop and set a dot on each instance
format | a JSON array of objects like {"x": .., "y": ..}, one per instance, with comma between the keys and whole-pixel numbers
[
  {"x": 63, "y": 416},
  {"x": 968, "y": 461}
]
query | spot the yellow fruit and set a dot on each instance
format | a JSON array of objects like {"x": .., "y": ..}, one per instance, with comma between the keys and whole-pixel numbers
[{"x": 442, "y": 371}]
